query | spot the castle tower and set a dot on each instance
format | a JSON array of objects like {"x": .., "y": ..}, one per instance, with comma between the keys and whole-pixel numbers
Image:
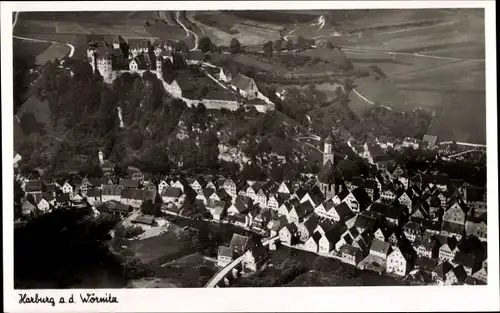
[
  {"x": 91, "y": 55},
  {"x": 327, "y": 150},
  {"x": 101, "y": 157},
  {"x": 105, "y": 66},
  {"x": 159, "y": 62}
]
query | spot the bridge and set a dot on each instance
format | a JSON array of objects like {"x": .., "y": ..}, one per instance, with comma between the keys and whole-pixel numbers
[{"x": 232, "y": 270}]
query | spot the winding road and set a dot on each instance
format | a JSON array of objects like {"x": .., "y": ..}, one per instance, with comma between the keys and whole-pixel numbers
[
  {"x": 71, "y": 47},
  {"x": 188, "y": 31}
]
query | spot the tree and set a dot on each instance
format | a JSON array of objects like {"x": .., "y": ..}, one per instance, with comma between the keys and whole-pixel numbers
[
  {"x": 301, "y": 43},
  {"x": 135, "y": 140},
  {"x": 268, "y": 49},
  {"x": 205, "y": 44},
  {"x": 277, "y": 45},
  {"x": 148, "y": 207},
  {"x": 289, "y": 45},
  {"x": 234, "y": 46},
  {"x": 181, "y": 46}
]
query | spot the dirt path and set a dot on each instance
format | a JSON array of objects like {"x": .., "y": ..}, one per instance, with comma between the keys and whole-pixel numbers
[{"x": 188, "y": 32}]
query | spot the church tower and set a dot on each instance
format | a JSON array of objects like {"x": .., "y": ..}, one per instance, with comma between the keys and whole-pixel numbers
[
  {"x": 327, "y": 150},
  {"x": 326, "y": 178}
]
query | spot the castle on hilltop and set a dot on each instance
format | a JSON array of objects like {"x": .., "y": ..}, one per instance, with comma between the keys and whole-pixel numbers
[{"x": 136, "y": 55}]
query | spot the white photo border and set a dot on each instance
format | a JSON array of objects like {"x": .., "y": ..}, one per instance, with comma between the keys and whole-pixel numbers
[{"x": 346, "y": 299}]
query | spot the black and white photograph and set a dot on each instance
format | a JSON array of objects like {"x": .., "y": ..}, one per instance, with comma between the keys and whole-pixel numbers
[{"x": 227, "y": 148}]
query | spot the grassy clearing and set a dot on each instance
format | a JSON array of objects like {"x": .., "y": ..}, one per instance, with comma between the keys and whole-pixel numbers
[{"x": 383, "y": 92}]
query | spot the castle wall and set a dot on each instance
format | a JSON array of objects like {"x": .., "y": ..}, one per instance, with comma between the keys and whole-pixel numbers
[{"x": 176, "y": 92}]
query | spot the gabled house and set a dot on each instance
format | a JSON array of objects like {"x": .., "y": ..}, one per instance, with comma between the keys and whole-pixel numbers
[
  {"x": 382, "y": 234},
  {"x": 289, "y": 234},
  {"x": 63, "y": 200},
  {"x": 129, "y": 183},
  {"x": 399, "y": 261},
  {"x": 300, "y": 212},
  {"x": 369, "y": 185},
  {"x": 339, "y": 197},
  {"x": 323, "y": 208},
  {"x": 306, "y": 229},
  {"x": 68, "y": 188},
  {"x": 312, "y": 243},
  {"x": 219, "y": 212},
  {"x": 111, "y": 193},
  {"x": 240, "y": 206},
  {"x": 33, "y": 187},
  {"x": 136, "y": 197},
  {"x": 366, "y": 222},
  {"x": 420, "y": 212},
  {"x": 206, "y": 194},
  {"x": 412, "y": 230},
  {"x": 44, "y": 205},
  {"x": 275, "y": 201},
  {"x": 198, "y": 184},
  {"x": 380, "y": 248},
  {"x": 394, "y": 214},
  {"x": 476, "y": 226},
  {"x": 441, "y": 181},
  {"x": 230, "y": 187},
  {"x": 254, "y": 258},
  {"x": 221, "y": 195},
  {"x": 329, "y": 238},
  {"x": 350, "y": 254},
  {"x": 285, "y": 188},
  {"x": 455, "y": 213},
  {"x": 405, "y": 200},
  {"x": 481, "y": 274},
  {"x": 475, "y": 198},
  {"x": 456, "y": 276},
  {"x": 448, "y": 249},
  {"x": 427, "y": 246},
  {"x": 94, "y": 196},
  {"x": 453, "y": 230},
  {"x": 162, "y": 185},
  {"x": 388, "y": 192},
  {"x": 340, "y": 212},
  {"x": 245, "y": 86},
  {"x": 431, "y": 227},
  {"x": 440, "y": 273},
  {"x": 239, "y": 243},
  {"x": 361, "y": 200},
  {"x": 225, "y": 255},
  {"x": 324, "y": 225},
  {"x": 171, "y": 194}
]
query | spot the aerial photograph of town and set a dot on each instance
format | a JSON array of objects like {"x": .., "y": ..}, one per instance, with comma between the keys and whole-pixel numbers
[{"x": 249, "y": 148}]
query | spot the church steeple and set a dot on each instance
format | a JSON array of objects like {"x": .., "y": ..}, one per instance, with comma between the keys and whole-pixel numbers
[{"x": 327, "y": 150}]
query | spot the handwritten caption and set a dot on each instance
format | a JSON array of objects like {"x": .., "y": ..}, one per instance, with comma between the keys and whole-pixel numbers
[{"x": 88, "y": 297}]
